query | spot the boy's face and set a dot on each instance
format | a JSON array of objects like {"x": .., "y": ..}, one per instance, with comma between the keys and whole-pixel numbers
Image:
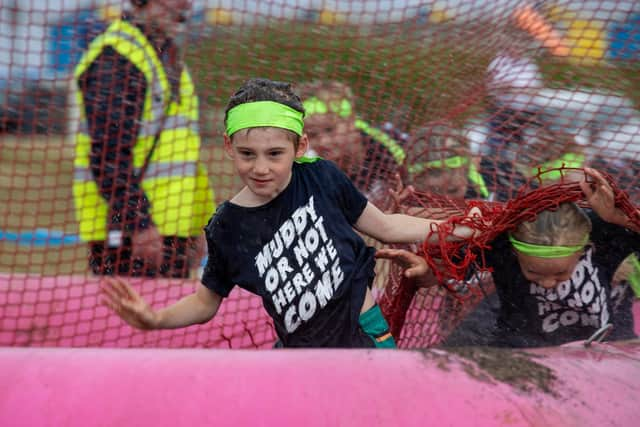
[
  {"x": 263, "y": 158},
  {"x": 548, "y": 272},
  {"x": 335, "y": 138}
]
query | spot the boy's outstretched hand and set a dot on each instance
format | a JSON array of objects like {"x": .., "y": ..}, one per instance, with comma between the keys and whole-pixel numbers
[
  {"x": 120, "y": 297},
  {"x": 414, "y": 265}
]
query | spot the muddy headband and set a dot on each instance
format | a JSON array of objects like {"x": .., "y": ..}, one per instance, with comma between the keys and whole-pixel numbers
[
  {"x": 545, "y": 251},
  {"x": 264, "y": 114}
]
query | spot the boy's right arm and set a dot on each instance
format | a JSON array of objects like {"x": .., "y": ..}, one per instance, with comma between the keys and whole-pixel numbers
[{"x": 198, "y": 307}]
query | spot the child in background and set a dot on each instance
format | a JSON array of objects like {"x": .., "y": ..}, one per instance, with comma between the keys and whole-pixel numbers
[
  {"x": 287, "y": 236},
  {"x": 439, "y": 162},
  {"x": 369, "y": 156},
  {"x": 554, "y": 275}
]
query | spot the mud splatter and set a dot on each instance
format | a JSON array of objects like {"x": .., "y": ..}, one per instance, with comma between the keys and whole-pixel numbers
[{"x": 516, "y": 368}]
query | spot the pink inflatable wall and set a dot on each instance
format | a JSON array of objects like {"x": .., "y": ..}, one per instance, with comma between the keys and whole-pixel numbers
[{"x": 564, "y": 387}]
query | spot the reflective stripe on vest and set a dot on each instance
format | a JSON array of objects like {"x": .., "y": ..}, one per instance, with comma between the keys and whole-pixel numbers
[
  {"x": 151, "y": 125},
  {"x": 149, "y": 128},
  {"x": 154, "y": 170},
  {"x": 389, "y": 143}
]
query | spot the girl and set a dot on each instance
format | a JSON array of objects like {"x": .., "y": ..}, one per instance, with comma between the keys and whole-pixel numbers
[{"x": 554, "y": 274}]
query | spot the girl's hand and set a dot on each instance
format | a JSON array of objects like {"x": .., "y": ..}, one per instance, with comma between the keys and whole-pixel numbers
[
  {"x": 600, "y": 196},
  {"x": 120, "y": 297},
  {"x": 414, "y": 265}
]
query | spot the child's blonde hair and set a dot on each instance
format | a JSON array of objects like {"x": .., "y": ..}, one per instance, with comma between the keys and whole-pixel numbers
[
  {"x": 566, "y": 226},
  {"x": 326, "y": 90}
]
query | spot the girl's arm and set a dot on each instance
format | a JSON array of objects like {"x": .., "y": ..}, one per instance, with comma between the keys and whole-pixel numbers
[
  {"x": 400, "y": 228},
  {"x": 199, "y": 307}
]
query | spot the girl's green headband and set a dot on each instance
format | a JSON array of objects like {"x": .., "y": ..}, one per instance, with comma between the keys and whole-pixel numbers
[
  {"x": 264, "y": 114},
  {"x": 449, "y": 163},
  {"x": 341, "y": 107},
  {"x": 545, "y": 251}
]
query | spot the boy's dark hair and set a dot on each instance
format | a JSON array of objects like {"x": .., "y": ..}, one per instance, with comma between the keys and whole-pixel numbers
[{"x": 260, "y": 89}]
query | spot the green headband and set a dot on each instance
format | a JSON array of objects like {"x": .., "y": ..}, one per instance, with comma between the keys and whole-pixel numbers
[
  {"x": 634, "y": 278},
  {"x": 568, "y": 160},
  {"x": 450, "y": 163},
  {"x": 340, "y": 107},
  {"x": 264, "y": 114},
  {"x": 546, "y": 251},
  {"x": 453, "y": 163}
]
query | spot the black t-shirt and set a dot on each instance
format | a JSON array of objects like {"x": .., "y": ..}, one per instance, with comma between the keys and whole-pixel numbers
[
  {"x": 301, "y": 255},
  {"x": 532, "y": 316}
]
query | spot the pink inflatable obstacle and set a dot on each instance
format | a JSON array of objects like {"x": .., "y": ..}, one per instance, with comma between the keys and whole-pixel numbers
[{"x": 564, "y": 386}]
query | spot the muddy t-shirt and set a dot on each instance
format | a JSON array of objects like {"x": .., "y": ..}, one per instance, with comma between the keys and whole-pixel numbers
[
  {"x": 301, "y": 255},
  {"x": 532, "y": 316}
]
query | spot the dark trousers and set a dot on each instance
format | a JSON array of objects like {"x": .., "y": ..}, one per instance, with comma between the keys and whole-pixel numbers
[{"x": 108, "y": 261}]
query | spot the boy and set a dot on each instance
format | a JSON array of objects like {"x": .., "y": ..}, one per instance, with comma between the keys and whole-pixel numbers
[{"x": 287, "y": 236}]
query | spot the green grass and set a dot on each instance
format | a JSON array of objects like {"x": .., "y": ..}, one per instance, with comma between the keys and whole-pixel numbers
[
  {"x": 390, "y": 69},
  {"x": 425, "y": 73},
  {"x": 35, "y": 192}
]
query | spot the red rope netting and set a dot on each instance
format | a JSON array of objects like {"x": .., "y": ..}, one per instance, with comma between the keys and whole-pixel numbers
[
  {"x": 450, "y": 261},
  {"x": 447, "y": 258}
]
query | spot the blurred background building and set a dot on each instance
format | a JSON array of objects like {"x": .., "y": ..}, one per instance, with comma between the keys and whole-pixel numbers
[{"x": 40, "y": 41}]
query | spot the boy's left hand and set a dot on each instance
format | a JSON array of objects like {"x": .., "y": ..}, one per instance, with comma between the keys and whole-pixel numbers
[{"x": 414, "y": 265}]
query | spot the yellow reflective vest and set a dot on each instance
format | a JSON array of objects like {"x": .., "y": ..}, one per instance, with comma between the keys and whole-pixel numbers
[{"x": 175, "y": 182}]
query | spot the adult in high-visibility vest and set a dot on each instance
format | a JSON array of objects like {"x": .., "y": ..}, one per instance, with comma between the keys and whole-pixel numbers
[{"x": 141, "y": 194}]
